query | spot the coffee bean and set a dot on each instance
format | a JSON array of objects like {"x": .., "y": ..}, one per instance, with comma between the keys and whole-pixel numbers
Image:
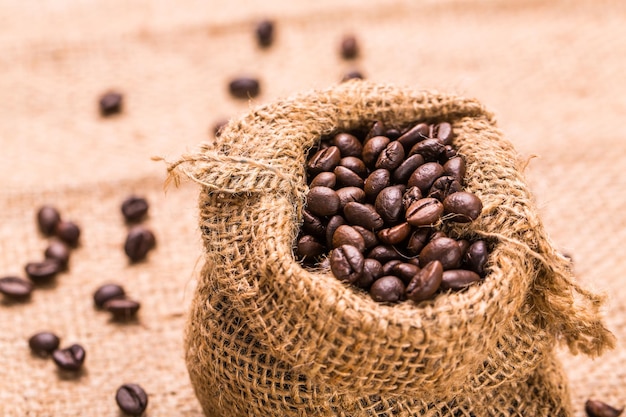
[
  {"x": 265, "y": 33},
  {"x": 47, "y": 219},
  {"x": 42, "y": 271},
  {"x": 390, "y": 265},
  {"x": 354, "y": 164},
  {"x": 383, "y": 253},
  {"x": 476, "y": 257},
  {"x": 412, "y": 136},
  {"x": 464, "y": 245},
  {"x": 373, "y": 148},
  {"x": 426, "y": 282},
  {"x": 347, "y": 178},
  {"x": 43, "y": 343},
  {"x": 107, "y": 292},
  {"x": 139, "y": 242},
  {"x": 352, "y": 75},
  {"x": 389, "y": 204},
  {"x": 430, "y": 149},
  {"x": 392, "y": 133},
  {"x": 349, "y": 47},
  {"x": 444, "y": 250},
  {"x": 455, "y": 167},
  {"x": 16, "y": 288},
  {"x": 377, "y": 129},
  {"x": 387, "y": 289},
  {"x": 443, "y": 187},
  {"x": 70, "y": 358},
  {"x": 350, "y": 194},
  {"x": 438, "y": 234},
  {"x": 309, "y": 248},
  {"x": 331, "y": 227},
  {"x": 110, "y": 103},
  {"x": 68, "y": 232},
  {"x": 410, "y": 196},
  {"x": 444, "y": 133},
  {"x": 218, "y": 127},
  {"x": 122, "y": 308},
  {"x": 425, "y": 175},
  {"x": 324, "y": 160},
  {"x": 376, "y": 182},
  {"x": 391, "y": 157},
  {"x": 134, "y": 208},
  {"x": 418, "y": 240},
  {"x": 244, "y": 87},
  {"x": 348, "y": 144},
  {"x": 346, "y": 263},
  {"x": 347, "y": 235},
  {"x": 424, "y": 212},
  {"x": 131, "y": 399},
  {"x": 59, "y": 252},
  {"x": 457, "y": 279},
  {"x": 363, "y": 215},
  {"x": 405, "y": 271},
  {"x": 394, "y": 234},
  {"x": 369, "y": 237},
  {"x": 372, "y": 270},
  {"x": 448, "y": 153},
  {"x": 322, "y": 201},
  {"x": 407, "y": 167},
  {"x": 324, "y": 179},
  {"x": 595, "y": 408},
  {"x": 312, "y": 224},
  {"x": 465, "y": 207}
]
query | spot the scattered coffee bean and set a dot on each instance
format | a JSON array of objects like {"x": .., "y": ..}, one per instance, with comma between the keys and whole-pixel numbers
[
  {"x": 122, "y": 308},
  {"x": 465, "y": 207},
  {"x": 426, "y": 282},
  {"x": 68, "y": 232},
  {"x": 346, "y": 263},
  {"x": 265, "y": 33},
  {"x": 43, "y": 343},
  {"x": 47, "y": 219},
  {"x": 70, "y": 358},
  {"x": 139, "y": 242},
  {"x": 595, "y": 408},
  {"x": 110, "y": 103},
  {"x": 107, "y": 292},
  {"x": 389, "y": 289},
  {"x": 131, "y": 399},
  {"x": 42, "y": 271},
  {"x": 349, "y": 47},
  {"x": 352, "y": 75},
  {"x": 16, "y": 288},
  {"x": 244, "y": 87},
  {"x": 134, "y": 209},
  {"x": 59, "y": 252}
]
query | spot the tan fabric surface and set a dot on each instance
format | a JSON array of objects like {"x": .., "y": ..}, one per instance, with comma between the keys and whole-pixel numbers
[{"x": 552, "y": 71}]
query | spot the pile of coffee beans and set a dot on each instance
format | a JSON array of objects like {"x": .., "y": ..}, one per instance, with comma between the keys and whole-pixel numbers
[
  {"x": 112, "y": 298},
  {"x": 140, "y": 240},
  {"x": 378, "y": 201}
]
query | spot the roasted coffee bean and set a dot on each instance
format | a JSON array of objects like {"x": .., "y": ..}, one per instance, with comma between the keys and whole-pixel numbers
[
  {"x": 407, "y": 167},
  {"x": 394, "y": 234},
  {"x": 430, "y": 149},
  {"x": 414, "y": 261},
  {"x": 438, "y": 234},
  {"x": 383, "y": 253},
  {"x": 244, "y": 87},
  {"x": 322, "y": 201},
  {"x": 595, "y": 408},
  {"x": 463, "y": 206},
  {"x": 392, "y": 133},
  {"x": 16, "y": 288},
  {"x": 388, "y": 289},
  {"x": 377, "y": 129},
  {"x": 352, "y": 75},
  {"x": 42, "y": 271},
  {"x": 376, "y": 182},
  {"x": 464, "y": 245},
  {"x": 331, "y": 228},
  {"x": 444, "y": 133},
  {"x": 425, "y": 175},
  {"x": 350, "y": 194},
  {"x": 312, "y": 224},
  {"x": 346, "y": 263},
  {"x": 218, "y": 127},
  {"x": 354, "y": 164},
  {"x": 391, "y": 157},
  {"x": 476, "y": 257},
  {"x": 309, "y": 247},
  {"x": 405, "y": 271},
  {"x": 47, "y": 219},
  {"x": 68, "y": 232},
  {"x": 363, "y": 215},
  {"x": 134, "y": 208},
  {"x": 444, "y": 250},
  {"x": 373, "y": 148},
  {"x": 349, "y": 47},
  {"x": 443, "y": 187},
  {"x": 410, "y": 196},
  {"x": 348, "y": 144},
  {"x": 59, "y": 252},
  {"x": 324, "y": 160},
  {"x": 418, "y": 240},
  {"x": 139, "y": 242},
  {"x": 412, "y": 136},
  {"x": 264, "y": 33},
  {"x": 110, "y": 103},
  {"x": 372, "y": 270},
  {"x": 347, "y": 235},
  {"x": 455, "y": 167},
  {"x": 347, "y": 178},
  {"x": 43, "y": 343},
  {"x": 122, "y": 308},
  {"x": 369, "y": 237},
  {"x": 131, "y": 399},
  {"x": 448, "y": 153},
  {"x": 324, "y": 179},
  {"x": 424, "y": 212},
  {"x": 457, "y": 279},
  {"x": 389, "y": 266},
  {"x": 426, "y": 282},
  {"x": 69, "y": 359},
  {"x": 389, "y": 204},
  {"x": 106, "y": 293}
]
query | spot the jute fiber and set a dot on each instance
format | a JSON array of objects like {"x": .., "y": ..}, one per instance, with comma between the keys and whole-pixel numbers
[{"x": 267, "y": 337}]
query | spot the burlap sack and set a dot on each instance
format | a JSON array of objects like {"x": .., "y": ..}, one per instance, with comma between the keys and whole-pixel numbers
[{"x": 267, "y": 337}]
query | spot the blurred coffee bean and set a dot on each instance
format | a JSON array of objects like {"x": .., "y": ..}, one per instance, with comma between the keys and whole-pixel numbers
[
  {"x": 407, "y": 167},
  {"x": 218, "y": 127},
  {"x": 377, "y": 129},
  {"x": 394, "y": 234},
  {"x": 347, "y": 178},
  {"x": 134, "y": 208},
  {"x": 455, "y": 167},
  {"x": 425, "y": 175},
  {"x": 122, "y": 309},
  {"x": 595, "y": 408},
  {"x": 448, "y": 153},
  {"x": 430, "y": 149},
  {"x": 349, "y": 47},
  {"x": 464, "y": 245},
  {"x": 324, "y": 179},
  {"x": 443, "y": 187},
  {"x": 457, "y": 279},
  {"x": 347, "y": 235},
  {"x": 59, "y": 252},
  {"x": 392, "y": 133},
  {"x": 139, "y": 242},
  {"x": 331, "y": 227},
  {"x": 363, "y": 215},
  {"x": 324, "y": 160},
  {"x": 418, "y": 240},
  {"x": 426, "y": 282},
  {"x": 244, "y": 87},
  {"x": 369, "y": 237},
  {"x": 383, "y": 253},
  {"x": 43, "y": 270},
  {"x": 322, "y": 201},
  {"x": 47, "y": 219},
  {"x": 412, "y": 136},
  {"x": 372, "y": 270},
  {"x": 391, "y": 157},
  {"x": 405, "y": 271},
  {"x": 376, "y": 182},
  {"x": 444, "y": 133},
  {"x": 348, "y": 144},
  {"x": 16, "y": 288},
  {"x": 131, "y": 399},
  {"x": 68, "y": 232},
  {"x": 424, "y": 212},
  {"x": 312, "y": 224},
  {"x": 264, "y": 33},
  {"x": 464, "y": 206},
  {"x": 352, "y": 75},
  {"x": 387, "y": 289},
  {"x": 350, "y": 194},
  {"x": 373, "y": 148},
  {"x": 70, "y": 358},
  {"x": 346, "y": 263},
  {"x": 110, "y": 103},
  {"x": 444, "y": 250},
  {"x": 476, "y": 257},
  {"x": 107, "y": 292},
  {"x": 389, "y": 204},
  {"x": 43, "y": 343}
]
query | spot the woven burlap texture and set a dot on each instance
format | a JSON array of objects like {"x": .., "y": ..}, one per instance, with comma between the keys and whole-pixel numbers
[{"x": 267, "y": 337}]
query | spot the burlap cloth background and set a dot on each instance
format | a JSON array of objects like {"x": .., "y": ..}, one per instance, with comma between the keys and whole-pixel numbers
[{"x": 552, "y": 71}]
